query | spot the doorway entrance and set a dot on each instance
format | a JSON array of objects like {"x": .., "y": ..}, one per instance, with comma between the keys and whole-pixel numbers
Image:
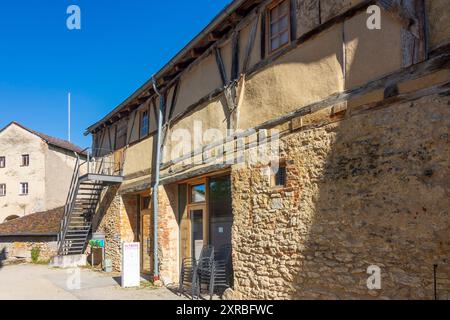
[
  {"x": 146, "y": 224},
  {"x": 205, "y": 214}
]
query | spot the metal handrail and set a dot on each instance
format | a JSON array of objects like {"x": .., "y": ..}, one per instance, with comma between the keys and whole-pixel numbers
[
  {"x": 69, "y": 204},
  {"x": 95, "y": 165}
]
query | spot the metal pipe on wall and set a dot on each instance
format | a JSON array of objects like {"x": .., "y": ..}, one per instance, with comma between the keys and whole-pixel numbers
[{"x": 156, "y": 182}]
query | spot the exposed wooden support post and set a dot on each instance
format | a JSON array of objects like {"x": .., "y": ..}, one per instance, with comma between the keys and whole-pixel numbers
[
  {"x": 109, "y": 138},
  {"x": 293, "y": 18},
  {"x": 235, "y": 56},
  {"x": 174, "y": 99},
  {"x": 263, "y": 34},
  {"x": 412, "y": 16},
  {"x": 423, "y": 33},
  {"x": 155, "y": 111},
  {"x": 221, "y": 66},
  {"x": 132, "y": 126},
  {"x": 250, "y": 45}
]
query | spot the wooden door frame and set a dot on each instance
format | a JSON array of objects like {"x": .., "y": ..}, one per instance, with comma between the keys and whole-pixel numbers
[
  {"x": 198, "y": 206},
  {"x": 143, "y": 232},
  {"x": 189, "y": 183}
]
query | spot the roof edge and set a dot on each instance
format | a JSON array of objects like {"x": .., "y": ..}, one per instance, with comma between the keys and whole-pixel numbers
[{"x": 219, "y": 18}]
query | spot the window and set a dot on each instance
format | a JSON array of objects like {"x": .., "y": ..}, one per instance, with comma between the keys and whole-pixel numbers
[
  {"x": 144, "y": 124},
  {"x": 2, "y": 162},
  {"x": 2, "y": 190},
  {"x": 25, "y": 160},
  {"x": 279, "y": 25},
  {"x": 121, "y": 134},
  {"x": 24, "y": 188},
  {"x": 198, "y": 193},
  {"x": 279, "y": 178}
]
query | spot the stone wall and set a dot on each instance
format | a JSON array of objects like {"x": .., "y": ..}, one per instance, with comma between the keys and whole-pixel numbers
[
  {"x": 168, "y": 233},
  {"x": 107, "y": 221},
  {"x": 19, "y": 248},
  {"x": 372, "y": 189}
]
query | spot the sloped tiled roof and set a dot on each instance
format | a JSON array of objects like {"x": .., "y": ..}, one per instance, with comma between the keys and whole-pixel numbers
[
  {"x": 40, "y": 223},
  {"x": 60, "y": 143}
]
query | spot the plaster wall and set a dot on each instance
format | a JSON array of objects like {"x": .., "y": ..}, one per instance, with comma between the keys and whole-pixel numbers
[{"x": 14, "y": 142}]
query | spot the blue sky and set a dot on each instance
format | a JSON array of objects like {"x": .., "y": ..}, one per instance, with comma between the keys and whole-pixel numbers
[{"x": 120, "y": 45}]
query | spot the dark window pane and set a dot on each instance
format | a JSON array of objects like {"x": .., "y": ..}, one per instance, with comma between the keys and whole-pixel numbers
[
  {"x": 144, "y": 124},
  {"x": 145, "y": 203},
  {"x": 197, "y": 232},
  {"x": 280, "y": 177},
  {"x": 220, "y": 211}
]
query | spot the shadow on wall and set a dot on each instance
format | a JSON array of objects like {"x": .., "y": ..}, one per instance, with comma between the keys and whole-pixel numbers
[
  {"x": 368, "y": 190},
  {"x": 376, "y": 194}
]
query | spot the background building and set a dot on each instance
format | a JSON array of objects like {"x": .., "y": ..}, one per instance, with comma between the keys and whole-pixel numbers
[{"x": 35, "y": 171}]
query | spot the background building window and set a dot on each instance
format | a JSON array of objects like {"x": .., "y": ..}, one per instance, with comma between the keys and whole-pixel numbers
[
  {"x": 2, "y": 190},
  {"x": 279, "y": 25},
  {"x": 2, "y": 162},
  {"x": 25, "y": 160},
  {"x": 144, "y": 124},
  {"x": 24, "y": 188}
]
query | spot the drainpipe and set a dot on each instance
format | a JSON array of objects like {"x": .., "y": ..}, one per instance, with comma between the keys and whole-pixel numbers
[{"x": 156, "y": 182}]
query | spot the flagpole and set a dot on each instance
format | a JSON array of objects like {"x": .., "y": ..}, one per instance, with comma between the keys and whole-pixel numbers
[{"x": 68, "y": 106}]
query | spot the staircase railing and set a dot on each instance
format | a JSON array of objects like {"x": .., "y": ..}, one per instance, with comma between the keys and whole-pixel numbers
[
  {"x": 70, "y": 201},
  {"x": 101, "y": 165}
]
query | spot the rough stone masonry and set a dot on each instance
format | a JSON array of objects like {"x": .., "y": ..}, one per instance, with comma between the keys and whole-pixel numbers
[{"x": 372, "y": 189}]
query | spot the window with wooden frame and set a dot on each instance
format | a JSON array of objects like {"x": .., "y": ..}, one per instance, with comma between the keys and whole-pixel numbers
[
  {"x": 278, "y": 22},
  {"x": 144, "y": 124},
  {"x": 198, "y": 193},
  {"x": 2, "y": 190},
  {"x": 25, "y": 160},
  {"x": 2, "y": 162}
]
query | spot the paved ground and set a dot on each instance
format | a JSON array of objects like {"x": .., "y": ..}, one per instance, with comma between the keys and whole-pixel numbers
[{"x": 39, "y": 282}]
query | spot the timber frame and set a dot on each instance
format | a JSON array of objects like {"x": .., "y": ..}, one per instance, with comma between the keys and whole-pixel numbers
[{"x": 254, "y": 13}]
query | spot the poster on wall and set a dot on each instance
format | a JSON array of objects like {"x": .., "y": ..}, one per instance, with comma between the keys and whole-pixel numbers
[{"x": 131, "y": 276}]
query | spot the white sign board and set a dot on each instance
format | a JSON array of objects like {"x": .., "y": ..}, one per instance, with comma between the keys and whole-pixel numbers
[{"x": 131, "y": 273}]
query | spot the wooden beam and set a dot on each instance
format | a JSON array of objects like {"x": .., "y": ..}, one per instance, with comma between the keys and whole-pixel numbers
[
  {"x": 263, "y": 34},
  {"x": 171, "y": 178},
  {"x": 174, "y": 99},
  {"x": 132, "y": 127},
  {"x": 293, "y": 19},
  {"x": 235, "y": 56},
  {"x": 221, "y": 66},
  {"x": 410, "y": 73},
  {"x": 214, "y": 36},
  {"x": 250, "y": 45}
]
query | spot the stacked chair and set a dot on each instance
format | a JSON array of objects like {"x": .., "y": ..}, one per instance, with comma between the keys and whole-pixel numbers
[{"x": 211, "y": 271}]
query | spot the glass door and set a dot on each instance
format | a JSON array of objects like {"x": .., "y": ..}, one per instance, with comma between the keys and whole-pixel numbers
[{"x": 197, "y": 232}]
